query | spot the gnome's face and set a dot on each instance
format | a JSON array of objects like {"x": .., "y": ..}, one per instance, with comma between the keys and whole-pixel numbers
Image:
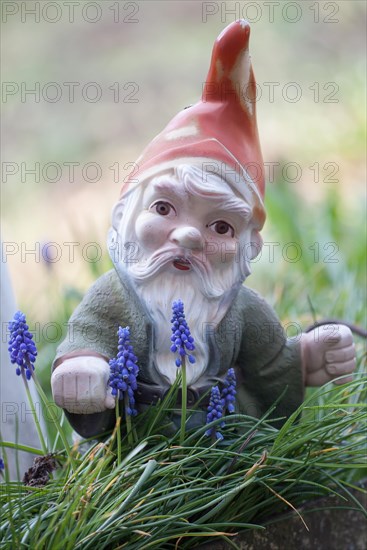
[
  {"x": 187, "y": 230},
  {"x": 188, "y": 224}
]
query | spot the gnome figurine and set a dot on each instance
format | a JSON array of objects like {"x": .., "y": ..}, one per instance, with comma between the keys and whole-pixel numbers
[{"x": 186, "y": 226}]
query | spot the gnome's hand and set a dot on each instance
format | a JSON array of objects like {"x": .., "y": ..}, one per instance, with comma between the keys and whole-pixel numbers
[
  {"x": 327, "y": 353},
  {"x": 80, "y": 385}
]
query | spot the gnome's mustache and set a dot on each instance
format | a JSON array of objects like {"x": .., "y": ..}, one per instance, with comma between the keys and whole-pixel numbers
[
  {"x": 151, "y": 265},
  {"x": 147, "y": 268}
]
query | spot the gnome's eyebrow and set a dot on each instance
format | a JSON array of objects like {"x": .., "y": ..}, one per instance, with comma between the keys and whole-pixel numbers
[
  {"x": 167, "y": 186},
  {"x": 235, "y": 205},
  {"x": 225, "y": 201}
]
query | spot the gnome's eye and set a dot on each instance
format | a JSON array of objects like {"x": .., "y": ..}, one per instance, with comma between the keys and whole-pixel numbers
[
  {"x": 222, "y": 228},
  {"x": 163, "y": 208}
]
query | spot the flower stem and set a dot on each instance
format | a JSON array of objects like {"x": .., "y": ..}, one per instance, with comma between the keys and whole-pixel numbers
[
  {"x": 55, "y": 420},
  {"x": 118, "y": 427},
  {"x": 35, "y": 417},
  {"x": 128, "y": 420},
  {"x": 184, "y": 401}
]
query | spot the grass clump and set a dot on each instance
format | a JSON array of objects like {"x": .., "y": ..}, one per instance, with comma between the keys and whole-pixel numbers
[{"x": 168, "y": 494}]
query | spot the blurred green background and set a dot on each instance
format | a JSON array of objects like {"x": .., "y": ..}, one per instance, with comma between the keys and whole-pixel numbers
[{"x": 147, "y": 60}]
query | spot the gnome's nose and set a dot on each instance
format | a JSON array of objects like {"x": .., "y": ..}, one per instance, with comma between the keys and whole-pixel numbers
[{"x": 187, "y": 237}]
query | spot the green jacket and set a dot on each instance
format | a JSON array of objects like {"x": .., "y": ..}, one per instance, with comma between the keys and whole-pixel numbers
[{"x": 250, "y": 338}]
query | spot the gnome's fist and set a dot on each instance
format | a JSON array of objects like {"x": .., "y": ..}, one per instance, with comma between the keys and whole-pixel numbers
[
  {"x": 327, "y": 353},
  {"x": 80, "y": 385}
]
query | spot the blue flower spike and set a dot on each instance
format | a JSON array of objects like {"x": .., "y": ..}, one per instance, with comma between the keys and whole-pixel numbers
[
  {"x": 181, "y": 338},
  {"x": 229, "y": 391},
  {"x": 182, "y": 343},
  {"x": 22, "y": 348},
  {"x": 124, "y": 371},
  {"x": 215, "y": 411},
  {"x": 2, "y": 465}
]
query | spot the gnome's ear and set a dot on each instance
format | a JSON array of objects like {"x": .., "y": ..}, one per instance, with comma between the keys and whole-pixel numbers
[
  {"x": 117, "y": 213},
  {"x": 114, "y": 236},
  {"x": 256, "y": 243}
]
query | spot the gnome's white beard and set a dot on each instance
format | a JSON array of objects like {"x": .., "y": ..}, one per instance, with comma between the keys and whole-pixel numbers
[{"x": 206, "y": 298}]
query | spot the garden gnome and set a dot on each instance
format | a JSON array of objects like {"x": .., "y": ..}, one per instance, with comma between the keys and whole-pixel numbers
[{"x": 186, "y": 227}]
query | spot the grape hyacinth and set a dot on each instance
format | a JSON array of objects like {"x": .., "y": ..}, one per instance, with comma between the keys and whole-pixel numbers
[
  {"x": 21, "y": 348},
  {"x": 215, "y": 411},
  {"x": 182, "y": 341},
  {"x": 124, "y": 370},
  {"x": 229, "y": 391},
  {"x": 2, "y": 465},
  {"x": 181, "y": 337}
]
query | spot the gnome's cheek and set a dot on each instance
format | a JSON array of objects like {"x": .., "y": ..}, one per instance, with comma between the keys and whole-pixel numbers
[
  {"x": 151, "y": 232},
  {"x": 219, "y": 255}
]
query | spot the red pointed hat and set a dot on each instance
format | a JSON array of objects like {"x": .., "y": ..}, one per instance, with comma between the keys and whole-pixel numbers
[{"x": 219, "y": 133}]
